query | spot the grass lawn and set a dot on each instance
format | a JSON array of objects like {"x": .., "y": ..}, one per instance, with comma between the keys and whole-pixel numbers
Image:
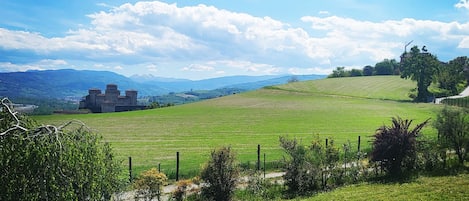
[
  {"x": 339, "y": 108},
  {"x": 424, "y": 188}
]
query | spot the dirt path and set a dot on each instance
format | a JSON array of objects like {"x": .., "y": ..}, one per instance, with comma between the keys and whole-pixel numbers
[
  {"x": 167, "y": 190},
  {"x": 463, "y": 94}
]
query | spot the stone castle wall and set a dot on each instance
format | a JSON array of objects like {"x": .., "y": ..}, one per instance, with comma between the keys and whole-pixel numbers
[{"x": 110, "y": 101}]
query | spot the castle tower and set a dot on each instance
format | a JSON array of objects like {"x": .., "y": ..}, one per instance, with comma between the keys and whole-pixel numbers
[
  {"x": 92, "y": 97},
  {"x": 132, "y": 95},
  {"x": 111, "y": 94}
]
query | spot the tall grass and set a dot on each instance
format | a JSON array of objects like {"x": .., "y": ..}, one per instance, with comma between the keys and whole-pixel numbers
[{"x": 341, "y": 109}]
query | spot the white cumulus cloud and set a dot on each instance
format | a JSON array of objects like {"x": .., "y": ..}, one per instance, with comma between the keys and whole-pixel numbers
[{"x": 161, "y": 38}]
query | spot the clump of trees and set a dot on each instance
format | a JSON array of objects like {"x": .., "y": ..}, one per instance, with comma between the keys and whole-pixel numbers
[
  {"x": 44, "y": 162},
  {"x": 385, "y": 67}
]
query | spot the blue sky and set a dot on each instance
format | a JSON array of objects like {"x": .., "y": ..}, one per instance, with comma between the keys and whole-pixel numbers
[{"x": 212, "y": 38}]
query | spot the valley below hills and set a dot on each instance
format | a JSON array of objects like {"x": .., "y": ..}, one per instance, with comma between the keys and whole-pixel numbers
[
  {"x": 69, "y": 84},
  {"x": 46, "y": 87}
]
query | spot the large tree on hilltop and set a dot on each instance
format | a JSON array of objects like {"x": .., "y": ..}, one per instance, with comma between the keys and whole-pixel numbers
[{"x": 420, "y": 67}]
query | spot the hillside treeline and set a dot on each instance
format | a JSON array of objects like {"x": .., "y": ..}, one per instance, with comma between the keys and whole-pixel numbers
[{"x": 447, "y": 78}]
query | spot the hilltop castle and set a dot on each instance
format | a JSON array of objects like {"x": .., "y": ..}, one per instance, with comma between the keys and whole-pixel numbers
[{"x": 110, "y": 101}]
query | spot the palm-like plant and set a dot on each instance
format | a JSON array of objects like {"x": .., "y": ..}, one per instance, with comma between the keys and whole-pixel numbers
[{"x": 395, "y": 144}]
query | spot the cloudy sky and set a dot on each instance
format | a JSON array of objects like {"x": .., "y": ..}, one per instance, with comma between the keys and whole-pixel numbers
[{"x": 213, "y": 38}]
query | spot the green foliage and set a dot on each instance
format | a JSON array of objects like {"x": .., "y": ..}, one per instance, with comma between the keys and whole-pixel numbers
[
  {"x": 150, "y": 184},
  {"x": 220, "y": 175},
  {"x": 313, "y": 168},
  {"x": 356, "y": 73},
  {"x": 387, "y": 67},
  {"x": 339, "y": 72},
  {"x": 450, "y": 76},
  {"x": 431, "y": 155},
  {"x": 453, "y": 130},
  {"x": 420, "y": 67},
  {"x": 395, "y": 146},
  {"x": 259, "y": 188},
  {"x": 368, "y": 70},
  {"x": 53, "y": 163}
]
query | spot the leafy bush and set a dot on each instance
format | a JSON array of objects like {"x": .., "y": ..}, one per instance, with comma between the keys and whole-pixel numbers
[
  {"x": 395, "y": 146},
  {"x": 220, "y": 175},
  {"x": 453, "y": 130},
  {"x": 313, "y": 168},
  {"x": 259, "y": 188},
  {"x": 53, "y": 163},
  {"x": 150, "y": 184}
]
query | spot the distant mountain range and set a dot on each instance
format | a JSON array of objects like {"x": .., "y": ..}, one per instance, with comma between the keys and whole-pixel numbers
[{"x": 76, "y": 83}]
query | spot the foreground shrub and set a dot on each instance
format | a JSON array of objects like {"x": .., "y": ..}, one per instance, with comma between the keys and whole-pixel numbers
[
  {"x": 150, "y": 184},
  {"x": 68, "y": 162},
  {"x": 313, "y": 168},
  {"x": 220, "y": 175},
  {"x": 453, "y": 130},
  {"x": 259, "y": 188},
  {"x": 395, "y": 146}
]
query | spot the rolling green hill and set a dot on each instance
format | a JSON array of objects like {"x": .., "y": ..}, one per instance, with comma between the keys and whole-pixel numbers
[{"x": 342, "y": 109}]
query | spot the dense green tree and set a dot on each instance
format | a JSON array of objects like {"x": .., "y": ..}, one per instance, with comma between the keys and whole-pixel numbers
[
  {"x": 451, "y": 75},
  {"x": 453, "y": 130},
  {"x": 395, "y": 146},
  {"x": 420, "y": 67},
  {"x": 386, "y": 67},
  {"x": 368, "y": 70},
  {"x": 53, "y": 163},
  {"x": 356, "y": 73}
]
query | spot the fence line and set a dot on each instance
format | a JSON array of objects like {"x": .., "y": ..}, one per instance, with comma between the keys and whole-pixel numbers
[
  {"x": 247, "y": 165},
  {"x": 460, "y": 102}
]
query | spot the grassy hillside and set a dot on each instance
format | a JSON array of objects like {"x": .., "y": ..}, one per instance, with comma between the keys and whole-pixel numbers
[
  {"x": 339, "y": 108},
  {"x": 424, "y": 188}
]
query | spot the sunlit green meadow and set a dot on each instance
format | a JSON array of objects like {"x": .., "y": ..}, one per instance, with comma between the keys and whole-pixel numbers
[
  {"x": 342, "y": 109},
  {"x": 423, "y": 188}
]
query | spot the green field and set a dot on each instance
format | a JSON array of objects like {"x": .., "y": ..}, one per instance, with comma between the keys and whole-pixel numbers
[{"x": 339, "y": 108}]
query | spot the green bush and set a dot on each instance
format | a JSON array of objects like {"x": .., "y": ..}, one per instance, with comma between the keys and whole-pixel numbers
[
  {"x": 220, "y": 175},
  {"x": 453, "y": 130},
  {"x": 150, "y": 184},
  {"x": 313, "y": 168},
  {"x": 53, "y": 163}
]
